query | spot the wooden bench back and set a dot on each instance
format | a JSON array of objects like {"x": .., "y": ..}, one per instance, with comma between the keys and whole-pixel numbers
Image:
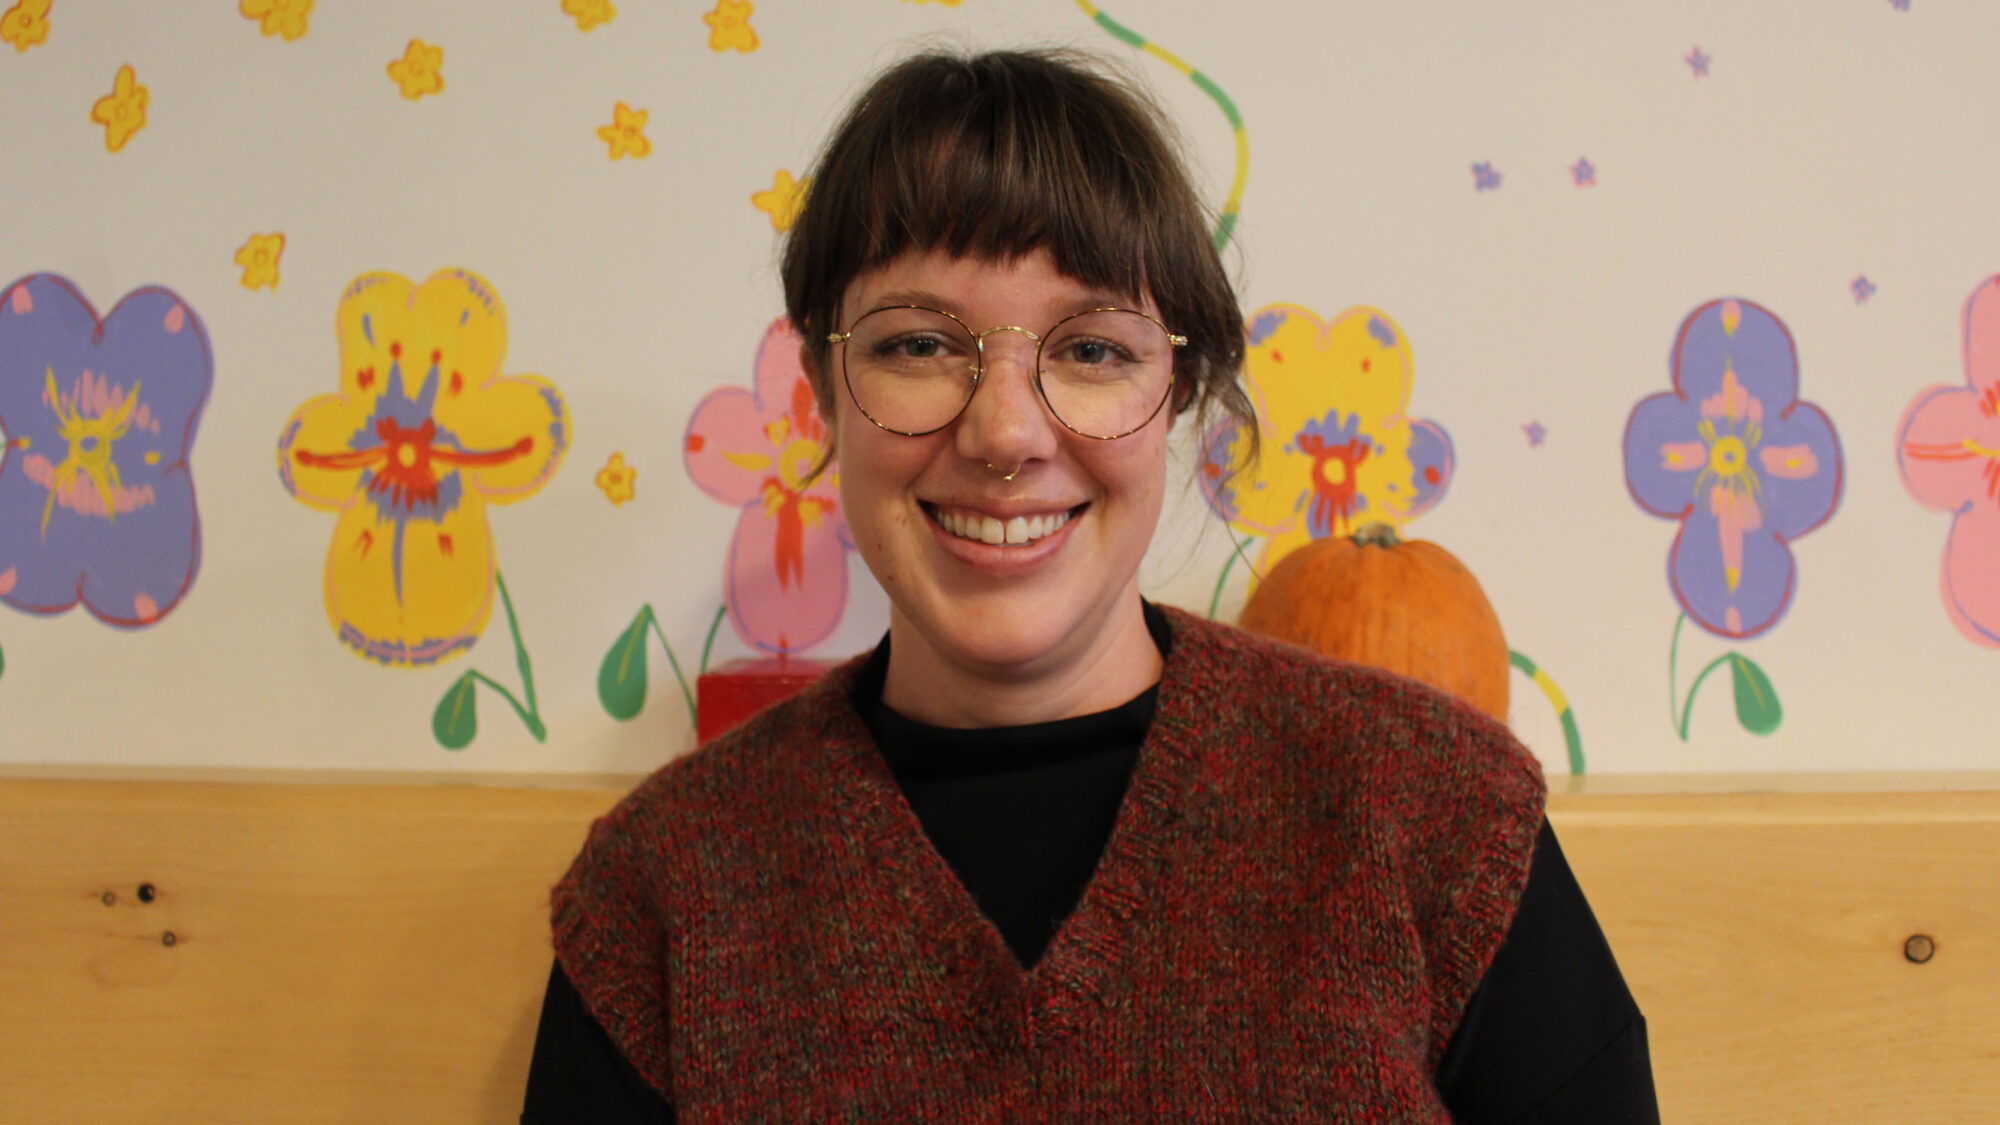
[{"x": 361, "y": 950}]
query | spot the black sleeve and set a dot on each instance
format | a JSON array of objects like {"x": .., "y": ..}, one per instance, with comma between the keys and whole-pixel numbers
[
  {"x": 1552, "y": 1036},
  {"x": 578, "y": 1076}
]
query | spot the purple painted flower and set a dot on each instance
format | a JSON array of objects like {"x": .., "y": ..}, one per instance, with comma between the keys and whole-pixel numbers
[
  {"x": 96, "y": 417},
  {"x": 1744, "y": 465}
]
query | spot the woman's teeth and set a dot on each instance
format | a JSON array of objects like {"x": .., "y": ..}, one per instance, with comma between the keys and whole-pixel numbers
[{"x": 988, "y": 529}]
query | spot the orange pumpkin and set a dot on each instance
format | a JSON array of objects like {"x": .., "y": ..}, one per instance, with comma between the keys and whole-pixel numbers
[{"x": 1409, "y": 607}]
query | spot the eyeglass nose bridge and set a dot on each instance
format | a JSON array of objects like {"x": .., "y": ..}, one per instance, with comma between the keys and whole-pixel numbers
[{"x": 979, "y": 339}]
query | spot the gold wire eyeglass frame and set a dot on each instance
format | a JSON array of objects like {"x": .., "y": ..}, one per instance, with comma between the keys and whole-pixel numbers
[{"x": 979, "y": 371}]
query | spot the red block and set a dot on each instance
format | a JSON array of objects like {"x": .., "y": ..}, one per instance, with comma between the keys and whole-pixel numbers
[{"x": 732, "y": 692}]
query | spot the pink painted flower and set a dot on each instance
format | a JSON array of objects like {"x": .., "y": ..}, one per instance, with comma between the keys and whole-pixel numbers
[
  {"x": 756, "y": 450},
  {"x": 1948, "y": 449}
]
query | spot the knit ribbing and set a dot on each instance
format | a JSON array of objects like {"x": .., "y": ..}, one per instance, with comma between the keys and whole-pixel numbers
[{"x": 1313, "y": 865}]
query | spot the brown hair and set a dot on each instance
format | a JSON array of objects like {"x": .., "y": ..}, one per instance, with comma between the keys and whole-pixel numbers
[{"x": 1000, "y": 154}]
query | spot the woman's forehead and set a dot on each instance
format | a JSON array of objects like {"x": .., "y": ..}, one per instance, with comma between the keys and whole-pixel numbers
[{"x": 1028, "y": 283}]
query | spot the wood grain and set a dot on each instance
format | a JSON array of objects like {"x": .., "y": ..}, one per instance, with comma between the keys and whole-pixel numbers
[{"x": 360, "y": 950}]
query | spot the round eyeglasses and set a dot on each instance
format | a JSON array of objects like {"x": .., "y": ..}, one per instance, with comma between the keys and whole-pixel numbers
[{"x": 1103, "y": 373}]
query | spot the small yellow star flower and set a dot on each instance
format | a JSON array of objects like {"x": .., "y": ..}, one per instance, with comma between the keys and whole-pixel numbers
[
  {"x": 589, "y": 13},
  {"x": 783, "y": 201},
  {"x": 122, "y": 112},
  {"x": 259, "y": 259},
  {"x": 278, "y": 17},
  {"x": 420, "y": 71},
  {"x": 616, "y": 478},
  {"x": 627, "y": 132},
  {"x": 729, "y": 26},
  {"x": 26, "y": 24}
]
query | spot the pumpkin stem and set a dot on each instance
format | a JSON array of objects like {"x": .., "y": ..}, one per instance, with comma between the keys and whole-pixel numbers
[{"x": 1376, "y": 535}]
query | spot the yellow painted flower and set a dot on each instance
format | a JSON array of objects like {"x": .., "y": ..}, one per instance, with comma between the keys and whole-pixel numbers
[
  {"x": 122, "y": 112},
  {"x": 783, "y": 201},
  {"x": 729, "y": 26},
  {"x": 259, "y": 258},
  {"x": 422, "y": 435},
  {"x": 26, "y": 24},
  {"x": 627, "y": 132},
  {"x": 616, "y": 478},
  {"x": 589, "y": 13},
  {"x": 1337, "y": 448},
  {"x": 278, "y": 17},
  {"x": 420, "y": 71}
]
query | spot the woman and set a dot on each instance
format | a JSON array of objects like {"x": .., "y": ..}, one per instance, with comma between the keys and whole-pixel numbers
[{"x": 1052, "y": 853}]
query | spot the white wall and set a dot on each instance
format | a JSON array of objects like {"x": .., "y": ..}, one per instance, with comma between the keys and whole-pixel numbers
[{"x": 1830, "y": 139}]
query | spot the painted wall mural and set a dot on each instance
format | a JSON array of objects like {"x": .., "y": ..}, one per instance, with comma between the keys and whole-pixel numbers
[
  {"x": 1513, "y": 226},
  {"x": 1744, "y": 466},
  {"x": 97, "y": 416},
  {"x": 25, "y": 25},
  {"x": 122, "y": 112},
  {"x": 766, "y": 452},
  {"x": 1338, "y": 446},
  {"x": 422, "y": 435},
  {"x": 1948, "y": 451}
]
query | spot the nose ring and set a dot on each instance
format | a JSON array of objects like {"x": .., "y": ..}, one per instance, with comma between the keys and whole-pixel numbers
[{"x": 1010, "y": 474}]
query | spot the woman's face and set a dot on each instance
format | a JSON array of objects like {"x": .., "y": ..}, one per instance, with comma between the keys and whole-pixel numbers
[{"x": 1060, "y": 605}]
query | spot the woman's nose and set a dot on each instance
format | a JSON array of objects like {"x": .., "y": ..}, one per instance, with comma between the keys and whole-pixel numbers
[{"x": 1006, "y": 422}]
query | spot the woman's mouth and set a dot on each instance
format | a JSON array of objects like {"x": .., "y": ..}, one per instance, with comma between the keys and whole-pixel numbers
[{"x": 1012, "y": 531}]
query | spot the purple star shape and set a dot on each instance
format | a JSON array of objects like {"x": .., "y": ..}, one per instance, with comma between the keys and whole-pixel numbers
[
  {"x": 1537, "y": 434},
  {"x": 1698, "y": 62},
  {"x": 1583, "y": 173},
  {"x": 1484, "y": 178},
  {"x": 1863, "y": 289},
  {"x": 1900, "y": 5}
]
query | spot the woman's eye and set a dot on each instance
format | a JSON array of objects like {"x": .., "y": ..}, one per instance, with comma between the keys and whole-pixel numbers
[
  {"x": 914, "y": 347},
  {"x": 1090, "y": 352}
]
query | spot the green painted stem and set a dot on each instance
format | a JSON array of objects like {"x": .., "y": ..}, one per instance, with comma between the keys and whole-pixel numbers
[
  {"x": 1572, "y": 736},
  {"x": 1235, "y": 552},
  {"x": 534, "y": 716},
  {"x": 706, "y": 645},
  {"x": 1687, "y": 715},
  {"x": 1673, "y": 686},
  {"x": 675, "y": 661},
  {"x": 531, "y": 721}
]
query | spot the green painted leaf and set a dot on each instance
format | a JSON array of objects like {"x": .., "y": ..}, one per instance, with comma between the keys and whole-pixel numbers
[
  {"x": 621, "y": 679},
  {"x": 456, "y": 719},
  {"x": 1756, "y": 700}
]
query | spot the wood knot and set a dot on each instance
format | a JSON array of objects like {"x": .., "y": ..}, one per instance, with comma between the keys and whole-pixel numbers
[{"x": 1919, "y": 948}]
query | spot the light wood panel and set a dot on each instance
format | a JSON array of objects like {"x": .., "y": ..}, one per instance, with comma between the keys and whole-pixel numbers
[
  {"x": 341, "y": 953},
  {"x": 351, "y": 949},
  {"x": 1764, "y": 936}
]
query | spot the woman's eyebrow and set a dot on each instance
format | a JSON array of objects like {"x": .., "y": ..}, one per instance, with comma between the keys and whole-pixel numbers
[
  {"x": 922, "y": 297},
  {"x": 1084, "y": 302}
]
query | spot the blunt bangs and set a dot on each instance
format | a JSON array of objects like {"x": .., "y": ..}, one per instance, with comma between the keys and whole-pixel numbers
[{"x": 1001, "y": 154}]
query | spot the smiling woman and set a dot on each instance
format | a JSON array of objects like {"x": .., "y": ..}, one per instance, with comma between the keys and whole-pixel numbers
[{"x": 1050, "y": 852}]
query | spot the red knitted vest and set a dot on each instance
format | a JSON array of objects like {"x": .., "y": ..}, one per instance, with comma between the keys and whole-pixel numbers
[{"x": 1313, "y": 866}]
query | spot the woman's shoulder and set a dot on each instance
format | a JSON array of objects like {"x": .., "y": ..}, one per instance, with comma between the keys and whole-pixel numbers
[
  {"x": 774, "y": 757},
  {"x": 1345, "y": 721}
]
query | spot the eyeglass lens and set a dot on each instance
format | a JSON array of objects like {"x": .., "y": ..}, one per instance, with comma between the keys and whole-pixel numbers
[{"x": 1103, "y": 373}]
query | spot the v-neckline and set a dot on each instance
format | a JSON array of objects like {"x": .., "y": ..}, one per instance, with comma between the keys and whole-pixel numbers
[{"x": 920, "y": 897}]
